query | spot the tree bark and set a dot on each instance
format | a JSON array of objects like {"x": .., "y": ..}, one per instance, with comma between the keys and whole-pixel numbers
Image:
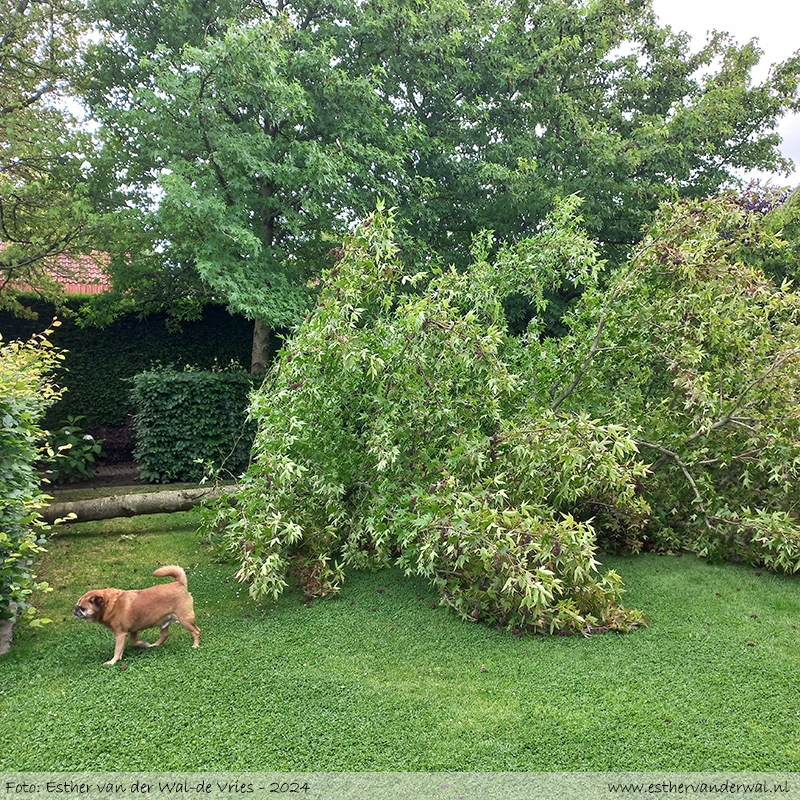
[
  {"x": 259, "y": 358},
  {"x": 131, "y": 505}
]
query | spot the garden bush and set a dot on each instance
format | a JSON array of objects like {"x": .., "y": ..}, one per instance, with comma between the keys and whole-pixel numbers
[
  {"x": 99, "y": 360},
  {"x": 70, "y": 453},
  {"x": 26, "y": 389},
  {"x": 397, "y": 428},
  {"x": 189, "y": 421}
]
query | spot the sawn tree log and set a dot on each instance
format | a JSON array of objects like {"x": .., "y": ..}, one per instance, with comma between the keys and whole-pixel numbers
[{"x": 131, "y": 505}]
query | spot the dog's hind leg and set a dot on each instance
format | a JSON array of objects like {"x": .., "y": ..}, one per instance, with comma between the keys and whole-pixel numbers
[
  {"x": 188, "y": 623},
  {"x": 135, "y": 640}
]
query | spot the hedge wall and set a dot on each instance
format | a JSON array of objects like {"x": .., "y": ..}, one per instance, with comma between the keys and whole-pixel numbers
[
  {"x": 100, "y": 361},
  {"x": 186, "y": 420}
]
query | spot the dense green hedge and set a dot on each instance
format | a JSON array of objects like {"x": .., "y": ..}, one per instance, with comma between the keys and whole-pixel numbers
[
  {"x": 185, "y": 420},
  {"x": 100, "y": 360},
  {"x": 25, "y": 391}
]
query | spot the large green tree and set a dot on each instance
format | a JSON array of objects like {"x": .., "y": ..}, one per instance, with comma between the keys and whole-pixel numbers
[
  {"x": 248, "y": 137},
  {"x": 261, "y": 147},
  {"x": 44, "y": 204}
]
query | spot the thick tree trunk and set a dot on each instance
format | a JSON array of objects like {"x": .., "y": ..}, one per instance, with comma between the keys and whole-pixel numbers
[
  {"x": 259, "y": 358},
  {"x": 130, "y": 505}
]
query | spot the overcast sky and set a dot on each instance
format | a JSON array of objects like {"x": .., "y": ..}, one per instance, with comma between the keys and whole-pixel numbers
[{"x": 772, "y": 22}]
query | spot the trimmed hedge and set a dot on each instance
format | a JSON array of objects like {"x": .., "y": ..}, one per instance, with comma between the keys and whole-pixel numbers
[
  {"x": 99, "y": 361},
  {"x": 188, "y": 420}
]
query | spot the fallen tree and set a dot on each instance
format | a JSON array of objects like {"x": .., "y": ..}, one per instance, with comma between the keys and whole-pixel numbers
[
  {"x": 398, "y": 428},
  {"x": 131, "y": 505}
]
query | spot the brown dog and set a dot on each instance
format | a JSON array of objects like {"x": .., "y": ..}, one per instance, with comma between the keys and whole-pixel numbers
[{"x": 131, "y": 611}]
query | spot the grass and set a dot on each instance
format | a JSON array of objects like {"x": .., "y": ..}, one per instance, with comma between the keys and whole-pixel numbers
[{"x": 382, "y": 678}]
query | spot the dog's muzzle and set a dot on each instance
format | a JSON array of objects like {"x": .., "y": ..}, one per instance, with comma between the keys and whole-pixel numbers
[{"x": 79, "y": 613}]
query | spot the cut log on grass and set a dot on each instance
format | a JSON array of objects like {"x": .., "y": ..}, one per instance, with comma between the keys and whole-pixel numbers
[{"x": 131, "y": 505}]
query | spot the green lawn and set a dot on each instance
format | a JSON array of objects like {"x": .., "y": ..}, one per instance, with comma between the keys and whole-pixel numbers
[{"x": 382, "y": 678}]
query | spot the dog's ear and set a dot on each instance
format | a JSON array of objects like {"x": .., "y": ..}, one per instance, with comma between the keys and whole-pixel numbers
[{"x": 97, "y": 600}]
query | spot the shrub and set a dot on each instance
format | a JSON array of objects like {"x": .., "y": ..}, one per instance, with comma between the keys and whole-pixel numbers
[
  {"x": 25, "y": 391},
  {"x": 187, "y": 421},
  {"x": 395, "y": 428},
  {"x": 71, "y": 453},
  {"x": 100, "y": 360}
]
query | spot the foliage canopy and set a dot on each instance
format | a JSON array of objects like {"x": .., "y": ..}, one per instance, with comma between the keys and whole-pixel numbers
[
  {"x": 265, "y": 129},
  {"x": 697, "y": 351},
  {"x": 403, "y": 424},
  {"x": 45, "y": 208}
]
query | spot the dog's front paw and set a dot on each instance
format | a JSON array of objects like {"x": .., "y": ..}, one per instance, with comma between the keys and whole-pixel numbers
[{"x": 112, "y": 661}]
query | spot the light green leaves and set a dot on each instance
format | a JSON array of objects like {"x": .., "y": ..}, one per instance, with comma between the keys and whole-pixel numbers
[
  {"x": 697, "y": 354},
  {"x": 396, "y": 428},
  {"x": 26, "y": 389}
]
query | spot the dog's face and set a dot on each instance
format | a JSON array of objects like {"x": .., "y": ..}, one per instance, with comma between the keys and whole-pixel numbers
[{"x": 90, "y": 606}]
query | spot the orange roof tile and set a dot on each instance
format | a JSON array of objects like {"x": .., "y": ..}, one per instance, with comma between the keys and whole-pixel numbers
[{"x": 77, "y": 274}]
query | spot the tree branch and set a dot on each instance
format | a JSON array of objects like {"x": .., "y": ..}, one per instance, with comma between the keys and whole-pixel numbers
[
  {"x": 677, "y": 459},
  {"x": 730, "y": 416}
]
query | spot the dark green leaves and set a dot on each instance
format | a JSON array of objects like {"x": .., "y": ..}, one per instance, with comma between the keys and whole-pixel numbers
[
  {"x": 270, "y": 130},
  {"x": 187, "y": 422}
]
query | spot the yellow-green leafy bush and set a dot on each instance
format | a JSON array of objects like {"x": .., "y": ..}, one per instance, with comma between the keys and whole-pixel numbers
[
  {"x": 398, "y": 428},
  {"x": 25, "y": 392}
]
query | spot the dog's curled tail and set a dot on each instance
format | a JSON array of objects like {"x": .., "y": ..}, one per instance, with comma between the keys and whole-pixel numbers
[{"x": 175, "y": 571}]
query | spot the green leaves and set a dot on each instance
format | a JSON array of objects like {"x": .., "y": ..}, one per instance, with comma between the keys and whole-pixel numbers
[
  {"x": 245, "y": 141},
  {"x": 410, "y": 428},
  {"x": 26, "y": 389},
  {"x": 45, "y": 209},
  {"x": 697, "y": 352},
  {"x": 70, "y": 452},
  {"x": 188, "y": 422},
  {"x": 262, "y": 147},
  {"x": 396, "y": 429}
]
